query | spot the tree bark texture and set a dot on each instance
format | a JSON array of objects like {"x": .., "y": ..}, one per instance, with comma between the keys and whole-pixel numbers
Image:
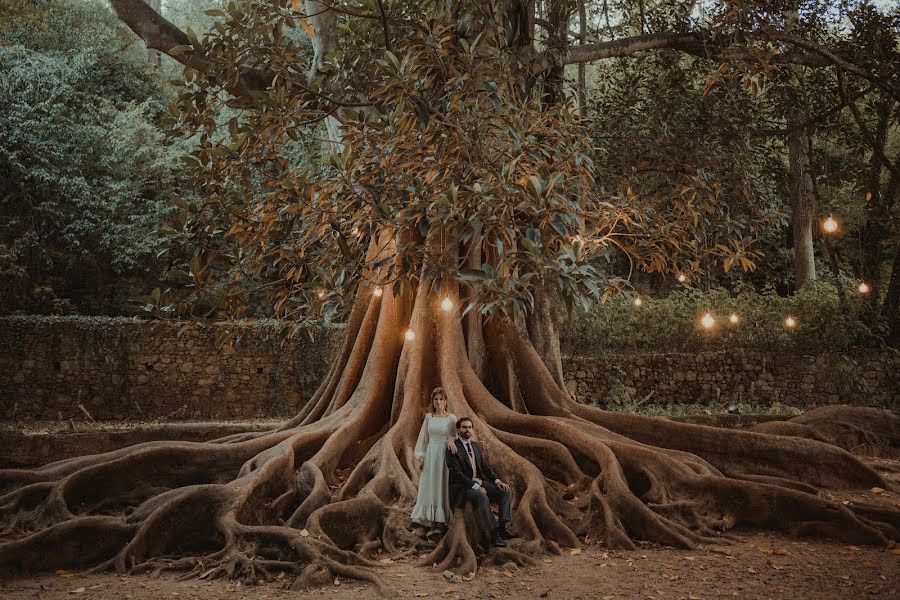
[{"x": 803, "y": 211}]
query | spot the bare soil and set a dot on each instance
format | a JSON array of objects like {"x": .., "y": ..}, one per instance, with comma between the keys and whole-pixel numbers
[{"x": 760, "y": 565}]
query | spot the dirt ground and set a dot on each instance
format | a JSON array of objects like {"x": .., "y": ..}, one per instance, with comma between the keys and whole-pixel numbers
[{"x": 761, "y": 565}]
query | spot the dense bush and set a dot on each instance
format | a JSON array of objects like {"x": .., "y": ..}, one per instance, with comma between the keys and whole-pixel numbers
[
  {"x": 86, "y": 172},
  {"x": 672, "y": 324}
]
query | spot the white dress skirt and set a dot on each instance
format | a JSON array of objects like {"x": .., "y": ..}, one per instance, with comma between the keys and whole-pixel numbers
[{"x": 433, "y": 500}]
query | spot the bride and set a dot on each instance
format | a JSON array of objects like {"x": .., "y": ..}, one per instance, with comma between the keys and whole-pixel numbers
[{"x": 435, "y": 438}]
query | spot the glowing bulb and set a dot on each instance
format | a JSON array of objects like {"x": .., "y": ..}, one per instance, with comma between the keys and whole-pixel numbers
[
  {"x": 708, "y": 321},
  {"x": 682, "y": 277},
  {"x": 830, "y": 225},
  {"x": 321, "y": 294},
  {"x": 638, "y": 301},
  {"x": 790, "y": 322},
  {"x": 446, "y": 304},
  {"x": 410, "y": 335},
  {"x": 377, "y": 292},
  {"x": 733, "y": 319},
  {"x": 864, "y": 288},
  {"x": 354, "y": 231}
]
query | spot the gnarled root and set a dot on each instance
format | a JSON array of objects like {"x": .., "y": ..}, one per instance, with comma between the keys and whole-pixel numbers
[{"x": 321, "y": 495}]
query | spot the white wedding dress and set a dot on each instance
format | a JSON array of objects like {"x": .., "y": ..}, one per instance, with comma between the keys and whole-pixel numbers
[{"x": 433, "y": 501}]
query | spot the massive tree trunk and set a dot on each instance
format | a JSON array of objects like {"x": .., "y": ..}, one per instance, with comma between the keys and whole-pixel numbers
[
  {"x": 802, "y": 203},
  {"x": 319, "y": 495}
]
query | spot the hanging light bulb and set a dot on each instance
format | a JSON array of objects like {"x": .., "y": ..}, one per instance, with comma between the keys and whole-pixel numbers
[
  {"x": 321, "y": 294},
  {"x": 733, "y": 319},
  {"x": 410, "y": 335},
  {"x": 708, "y": 321},
  {"x": 682, "y": 277},
  {"x": 447, "y": 304},
  {"x": 354, "y": 231},
  {"x": 829, "y": 225},
  {"x": 377, "y": 292},
  {"x": 790, "y": 322},
  {"x": 638, "y": 301},
  {"x": 864, "y": 288}
]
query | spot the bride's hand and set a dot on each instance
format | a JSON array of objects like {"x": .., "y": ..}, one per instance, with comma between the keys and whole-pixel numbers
[{"x": 451, "y": 446}]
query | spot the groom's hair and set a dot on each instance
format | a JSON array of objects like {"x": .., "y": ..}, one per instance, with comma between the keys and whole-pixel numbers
[{"x": 460, "y": 422}]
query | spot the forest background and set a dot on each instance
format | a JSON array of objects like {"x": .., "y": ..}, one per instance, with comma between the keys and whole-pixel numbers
[{"x": 96, "y": 190}]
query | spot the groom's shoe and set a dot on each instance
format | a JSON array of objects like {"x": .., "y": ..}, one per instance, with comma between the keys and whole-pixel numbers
[
  {"x": 504, "y": 534},
  {"x": 497, "y": 540}
]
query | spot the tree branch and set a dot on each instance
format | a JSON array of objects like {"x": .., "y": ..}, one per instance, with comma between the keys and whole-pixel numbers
[{"x": 157, "y": 32}]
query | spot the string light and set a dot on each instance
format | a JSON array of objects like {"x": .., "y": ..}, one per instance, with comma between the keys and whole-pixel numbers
[
  {"x": 377, "y": 292},
  {"x": 321, "y": 294},
  {"x": 682, "y": 277},
  {"x": 638, "y": 301},
  {"x": 354, "y": 231},
  {"x": 733, "y": 319},
  {"x": 830, "y": 225},
  {"x": 864, "y": 288},
  {"x": 708, "y": 321},
  {"x": 790, "y": 322},
  {"x": 410, "y": 335},
  {"x": 447, "y": 304}
]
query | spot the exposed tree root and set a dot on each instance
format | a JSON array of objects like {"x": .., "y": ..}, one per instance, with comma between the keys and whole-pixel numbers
[{"x": 323, "y": 495}]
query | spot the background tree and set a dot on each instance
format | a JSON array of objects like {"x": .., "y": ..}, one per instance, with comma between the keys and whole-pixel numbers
[{"x": 87, "y": 170}]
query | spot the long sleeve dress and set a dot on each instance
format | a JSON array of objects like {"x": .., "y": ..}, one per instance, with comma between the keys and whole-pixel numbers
[{"x": 433, "y": 502}]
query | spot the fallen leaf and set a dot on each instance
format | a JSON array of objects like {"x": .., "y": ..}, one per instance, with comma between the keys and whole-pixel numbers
[
  {"x": 896, "y": 551},
  {"x": 764, "y": 550},
  {"x": 386, "y": 561},
  {"x": 781, "y": 552},
  {"x": 575, "y": 552},
  {"x": 337, "y": 581},
  {"x": 877, "y": 490},
  {"x": 304, "y": 533},
  {"x": 854, "y": 548},
  {"x": 494, "y": 595},
  {"x": 421, "y": 594},
  {"x": 845, "y": 577},
  {"x": 63, "y": 573},
  {"x": 693, "y": 597},
  {"x": 449, "y": 590},
  {"x": 507, "y": 574},
  {"x": 77, "y": 591}
]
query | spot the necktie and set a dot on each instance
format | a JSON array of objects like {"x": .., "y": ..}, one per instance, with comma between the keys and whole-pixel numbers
[{"x": 471, "y": 458}]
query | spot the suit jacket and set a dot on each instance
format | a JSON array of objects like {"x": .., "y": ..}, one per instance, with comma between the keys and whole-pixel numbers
[{"x": 460, "y": 472}]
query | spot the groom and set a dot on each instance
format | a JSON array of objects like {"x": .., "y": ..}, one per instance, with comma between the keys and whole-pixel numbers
[{"x": 473, "y": 480}]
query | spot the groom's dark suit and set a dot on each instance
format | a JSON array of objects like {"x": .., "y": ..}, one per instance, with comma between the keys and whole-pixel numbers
[{"x": 463, "y": 488}]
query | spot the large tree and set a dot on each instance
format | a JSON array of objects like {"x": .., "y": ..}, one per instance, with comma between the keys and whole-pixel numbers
[{"x": 457, "y": 201}]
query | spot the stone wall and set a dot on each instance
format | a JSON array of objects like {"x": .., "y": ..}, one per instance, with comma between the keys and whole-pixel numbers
[
  {"x": 66, "y": 368},
  {"x": 866, "y": 378},
  {"x": 128, "y": 369}
]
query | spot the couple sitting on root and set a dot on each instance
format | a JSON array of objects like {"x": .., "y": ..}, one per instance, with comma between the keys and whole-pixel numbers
[{"x": 454, "y": 472}]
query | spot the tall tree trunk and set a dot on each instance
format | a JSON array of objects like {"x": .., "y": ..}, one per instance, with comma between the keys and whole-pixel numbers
[
  {"x": 802, "y": 204},
  {"x": 876, "y": 229},
  {"x": 153, "y": 56},
  {"x": 543, "y": 330},
  {"x": 582, "y": 75}
]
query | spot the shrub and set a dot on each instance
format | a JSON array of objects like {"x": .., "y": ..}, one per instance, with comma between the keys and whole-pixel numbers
[{"x": 672, "y": 324}]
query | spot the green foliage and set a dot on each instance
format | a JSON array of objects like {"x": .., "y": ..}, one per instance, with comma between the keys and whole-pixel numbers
[
  {"x": 673, "y": 323},
  {"x": 88, "y": 171}
]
